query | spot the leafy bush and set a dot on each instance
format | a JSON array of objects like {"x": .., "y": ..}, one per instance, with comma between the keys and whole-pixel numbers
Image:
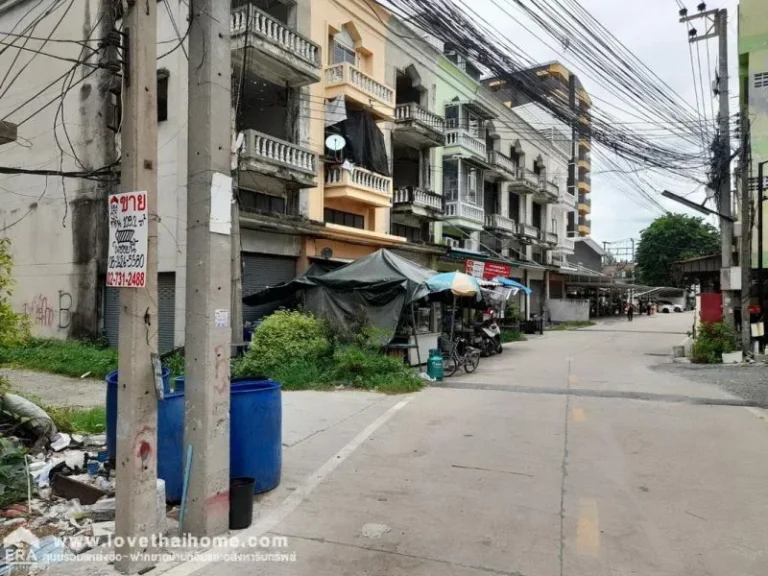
[
  {"x": 14, "y": 327},
  {"x": 282, "y": 338},
  {"x": 712, "y": 340},
  {"x": 512, "y": 336},
  {"x": 71, "y": 419},
  {"x": 368, "y": 368},
  {"x": 13, "y": 474}
]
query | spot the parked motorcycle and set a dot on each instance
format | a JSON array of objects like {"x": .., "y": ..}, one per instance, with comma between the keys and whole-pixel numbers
[{"x": 488, "y": 337}]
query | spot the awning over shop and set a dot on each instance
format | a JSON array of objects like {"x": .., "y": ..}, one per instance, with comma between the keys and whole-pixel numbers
[{"x": 509, "y": 283}]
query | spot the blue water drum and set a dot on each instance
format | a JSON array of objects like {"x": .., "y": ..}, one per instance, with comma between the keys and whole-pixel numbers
[
  {"x": 170, "y": 444},
  {"x": 112, "y": 380},
  {"x": 256, "y": 438}
]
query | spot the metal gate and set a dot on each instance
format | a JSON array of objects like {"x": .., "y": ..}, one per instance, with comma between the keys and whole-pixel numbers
[
  {"x": 166, "y": 312},
  {"x": 262, "y": 271},
  {"x": 537, "y": 297}
]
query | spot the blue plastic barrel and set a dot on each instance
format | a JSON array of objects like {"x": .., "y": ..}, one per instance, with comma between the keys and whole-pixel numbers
[
  {"x": 255, "y": 447},
  {"x": 112, "y": 409},
  {"x": 170, "y": 444}
]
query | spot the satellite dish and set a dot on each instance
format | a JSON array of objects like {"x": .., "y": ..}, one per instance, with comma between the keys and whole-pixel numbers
[{"x": 335, "y": 142}]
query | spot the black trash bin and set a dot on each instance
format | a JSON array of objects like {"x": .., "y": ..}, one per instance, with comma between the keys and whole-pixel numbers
[{"x": 240, "y": 503}]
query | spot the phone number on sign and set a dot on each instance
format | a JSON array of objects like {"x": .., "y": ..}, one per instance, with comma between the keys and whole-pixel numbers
[{"x": 126, "y": 279}]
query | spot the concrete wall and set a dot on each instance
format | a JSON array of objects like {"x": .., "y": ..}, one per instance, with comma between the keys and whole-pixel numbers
[
  {"x": 568, "y": 310},
  {"x": 587, "y": 257}
]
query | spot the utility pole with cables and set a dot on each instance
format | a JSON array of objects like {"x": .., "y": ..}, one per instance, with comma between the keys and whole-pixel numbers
[
  {"x": 717, "y": 27},
  {"x": 209, "y": 286},
  {"x": 136, "y": 467},
  {"x": 745, "y": 255}
]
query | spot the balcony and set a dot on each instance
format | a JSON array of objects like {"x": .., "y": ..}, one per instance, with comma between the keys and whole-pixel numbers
[
  {"x": 585, "y": 225},
  {"x": 566, "y": 198},
  {"x": 502, "y": 224},
  {"x": 265, "y": 155},
  {"x": 358, "y": 184},
  {"x": 548, "y": 192},
  {"x": 565, "y": 246},
  {"x": 585, "y": 205},
  {"x": 585, "y": 187},
  {"x": 418, "y": 127},
  {"x": 501, "y": 167},
  {"x": 419, "y": 202},
  {"x": 527, "y": 233},
  {"x": 585, "y": 144},
  {"x": 357, "y": 87},
  {"x": 271, "y": 50},
  {"x": 548, "y": 238},
  {"x": 461, "y": 143},
  {"x": 525, "y": 182},
  {"x": 471, "y": 216}
]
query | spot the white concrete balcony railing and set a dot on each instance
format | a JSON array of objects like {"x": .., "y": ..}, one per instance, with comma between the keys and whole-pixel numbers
[
  {"x": 526, "y": 182},
  {"x": 419, "y": 198},
  {"x": 465, "y": 211},
  {"x": 414, "y": 112},
  {"x": 548, "y": 237},
  {"x": 567, "y": 244},
  {"x": 499, "y": 222},
  {"x": 282, "y": 54},
  {"x": 275, "y": 157},
  {"x": 501, "y": 161},
  {"x": 551, "y": 188},
  {"x": 462, "y": 138},
  {"x": 364, "y": 88},
  {"x": 359, "y": 184},
  {"x": 527, "y": 230}
]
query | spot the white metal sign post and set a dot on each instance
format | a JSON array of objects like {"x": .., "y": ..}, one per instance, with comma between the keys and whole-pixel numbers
[{"x": 128, "y": 240}]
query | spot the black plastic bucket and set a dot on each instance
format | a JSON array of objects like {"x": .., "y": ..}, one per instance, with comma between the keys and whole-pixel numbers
[{"x": 240, "y": 503}]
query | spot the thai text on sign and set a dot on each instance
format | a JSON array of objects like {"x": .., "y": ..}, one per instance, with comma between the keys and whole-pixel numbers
[{"x": 128, "y": 240}]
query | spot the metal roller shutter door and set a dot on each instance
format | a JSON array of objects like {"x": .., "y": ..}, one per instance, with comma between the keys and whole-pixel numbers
[
  {"x": 261, "y": 271},
  {"x": 537, "y": 297},
  {"x": 166, "y": 312}
]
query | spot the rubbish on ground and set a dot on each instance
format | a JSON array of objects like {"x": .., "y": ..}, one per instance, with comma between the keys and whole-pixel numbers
[
  {"x": 85, "y": 375},
  {"x": 427, "y": 377},
  {"x": 93, "y": 467},
  {"x": 95, "y": 440},
  {"x": 21, "y": 536},
  {"x": 75, "y": 459},
  {"x": 77, "y": 439},
  {"x": 60, "y": 441},
  {"x": 34, "y": 417},
  {"x": 68, "y": 488},
  {"x": 102, "y": 511},
  {"x": 103, "y": 529},
  {"x": 102, "y": 456}
]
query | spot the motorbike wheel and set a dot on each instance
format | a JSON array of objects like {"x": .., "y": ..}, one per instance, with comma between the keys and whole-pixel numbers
[
  {"x": 485, "y": 348},
  {"x": 450, "y": 366},
  {"x": 498, "y": 345},
  {"x": 471, "y": 362}
]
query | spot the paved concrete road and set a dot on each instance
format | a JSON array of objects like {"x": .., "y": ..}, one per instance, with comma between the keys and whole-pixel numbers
[{"x": 565, "y": 456}]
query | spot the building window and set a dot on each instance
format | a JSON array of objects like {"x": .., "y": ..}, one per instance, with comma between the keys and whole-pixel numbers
[
  {"x": 343, "y": 48},
  {"x": 409, "y": 232},
  {"x": 761, "y": 80},
  {"x": 162, "y": 95},
  {"x": 262, "y": 202},
  {"x": 344, "y": 219}
]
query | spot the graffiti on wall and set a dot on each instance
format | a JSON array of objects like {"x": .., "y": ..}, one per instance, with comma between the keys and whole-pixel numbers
[{"x": 42, "y": 313}]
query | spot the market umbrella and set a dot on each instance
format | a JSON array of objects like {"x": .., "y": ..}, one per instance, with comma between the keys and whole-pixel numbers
[
  {"x": 508, "y": 282},
  {"x": 458, "y": 283}
]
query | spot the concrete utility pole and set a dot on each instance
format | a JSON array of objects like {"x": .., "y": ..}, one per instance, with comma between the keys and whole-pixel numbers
[
  {"x": 717, "y": 27},
  {"x": 208, "y": 314},
  {"x": 745, "y": 257},
  {"x": 136, "y": 491}
]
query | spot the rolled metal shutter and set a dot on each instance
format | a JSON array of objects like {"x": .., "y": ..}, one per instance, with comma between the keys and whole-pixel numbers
[
  {"x": 537, "y": 298},
  {"x": 262, "y": 271},
  {"x": 166, "y": 312}
]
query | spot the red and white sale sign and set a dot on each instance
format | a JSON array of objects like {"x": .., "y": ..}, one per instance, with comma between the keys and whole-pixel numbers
[{"x": 128, "y": 240}]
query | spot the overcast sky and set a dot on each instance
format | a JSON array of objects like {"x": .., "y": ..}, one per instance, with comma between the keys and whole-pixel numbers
[{"x": 651, "y": 30}]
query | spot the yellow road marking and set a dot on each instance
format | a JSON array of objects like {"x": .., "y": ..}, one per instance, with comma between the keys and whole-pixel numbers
[
  {"x": 588, "y": 528},
  {"x": 578, "y": 415}
]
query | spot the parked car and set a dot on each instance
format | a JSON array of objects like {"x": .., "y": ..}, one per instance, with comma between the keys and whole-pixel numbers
[{"x": 668, "y": 307}]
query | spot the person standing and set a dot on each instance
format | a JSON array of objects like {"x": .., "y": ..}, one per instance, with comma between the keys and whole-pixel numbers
[{"x": 630, "y": 311}]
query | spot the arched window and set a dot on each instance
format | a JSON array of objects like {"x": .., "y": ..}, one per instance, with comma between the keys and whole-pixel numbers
[{"x": 343, "y": 48}]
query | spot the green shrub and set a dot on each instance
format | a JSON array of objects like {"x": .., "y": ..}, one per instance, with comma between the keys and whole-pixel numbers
[
  {"x": 714, "y": 339},
  {"x": 14, "y": 327},
  {"x": 13, "y": 474},
  {"x": 368, "y": 368},
  {"x": 512, "y": 336},
  {"x": 281, "y": 338},
  {"x": 67, "y": 357}
]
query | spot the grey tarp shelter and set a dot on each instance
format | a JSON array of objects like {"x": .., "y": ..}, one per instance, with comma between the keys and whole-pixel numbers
[{"x": 383, "y": 284}]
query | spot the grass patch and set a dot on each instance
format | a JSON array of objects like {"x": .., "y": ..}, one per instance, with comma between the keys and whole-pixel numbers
[
  {"x": 79, "y": 420},
  {"x": 66, "y": 357},
  {"x": 575, "y": 325},
  {"x": 512, "y": 336}
]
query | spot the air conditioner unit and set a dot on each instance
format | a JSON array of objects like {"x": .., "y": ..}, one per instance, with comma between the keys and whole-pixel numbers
[
  {"x": 451, "y": 242},
  {"x": 467, "y": 245}
]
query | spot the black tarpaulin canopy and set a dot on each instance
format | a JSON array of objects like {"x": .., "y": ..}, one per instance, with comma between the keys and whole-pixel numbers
[{"x": 383, "y": 284}]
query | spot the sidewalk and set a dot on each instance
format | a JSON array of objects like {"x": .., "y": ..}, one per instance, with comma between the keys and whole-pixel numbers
[{"x": 56, "y": 390}]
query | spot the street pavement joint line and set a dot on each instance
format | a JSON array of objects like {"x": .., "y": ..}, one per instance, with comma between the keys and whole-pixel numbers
[
  {"x": 578, "y": 415},
  {"x": 610, "y": 394},
  {"x": 564, "y": 466},
  {"x": 316, "y": 432},
  {"x": 491, "y": 470},
  {"x": 401, "y": 554},
  {"x": 294, "y": 500},
  {"x": 588, "y": 528}
]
